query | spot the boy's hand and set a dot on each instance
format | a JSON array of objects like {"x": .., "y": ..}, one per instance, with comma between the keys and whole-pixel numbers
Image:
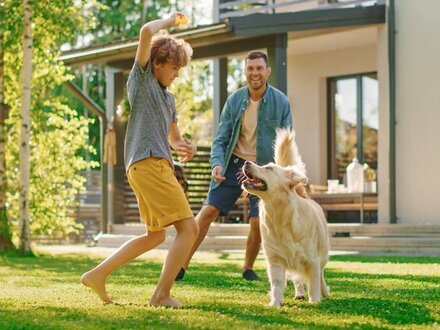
[
  {"x": 186, "y": 150},
  {"x": 181, "y": 19},
  {"x": 178, "y": 19}
]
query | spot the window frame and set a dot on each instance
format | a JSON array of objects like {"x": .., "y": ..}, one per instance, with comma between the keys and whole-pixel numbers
[{"x": 332, "y": 169}]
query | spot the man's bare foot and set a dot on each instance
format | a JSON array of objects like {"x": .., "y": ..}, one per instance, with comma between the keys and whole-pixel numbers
[
  {"x": 97, "y": 284},
  {"x": 165, "y": 302}
]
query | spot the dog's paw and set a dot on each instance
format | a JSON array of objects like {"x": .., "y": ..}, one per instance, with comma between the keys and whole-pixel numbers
[
  {"x": 326, "y": 292},
  {"x": 275, "y": 303},
  {"x": 300, "y": 297}
]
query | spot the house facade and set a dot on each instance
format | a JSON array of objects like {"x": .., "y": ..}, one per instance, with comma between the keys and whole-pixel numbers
[
  {"x": 406, "y": 72},
  {"x": 363, "y": 79}
]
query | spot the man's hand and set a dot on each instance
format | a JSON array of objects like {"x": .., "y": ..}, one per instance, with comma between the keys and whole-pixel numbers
[
  {"x": 186, "y": 150},
  {"x": 217, "y": 174}
]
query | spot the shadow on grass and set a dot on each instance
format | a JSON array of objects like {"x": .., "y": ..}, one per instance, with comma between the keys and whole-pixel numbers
[
  {"x": 137, "y": 272},
  {"x": 388, "y": 311},
  {"x": 337, "y": 274},
  {"x": 392, "y": 311},
  {"x": 110, "y": 317},
  {"x": 224, "y": 256},
  {"x": 263, "y": 316},
  {"x": 66, "y": 263},
  {"x": 216, "y": 276},
  {"x": 73, "y": 265},
  {"x": 403, "y": 305},
  {"x": 386, "y": 259}
]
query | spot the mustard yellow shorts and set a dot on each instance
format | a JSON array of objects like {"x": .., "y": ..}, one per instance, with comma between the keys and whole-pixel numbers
[{"x": 159, "y": 195}]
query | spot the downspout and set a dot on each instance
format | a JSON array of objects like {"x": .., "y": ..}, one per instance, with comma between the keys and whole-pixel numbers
[
  {"x": 100, "y": 113},
  {"x": 392, "y": 91}
]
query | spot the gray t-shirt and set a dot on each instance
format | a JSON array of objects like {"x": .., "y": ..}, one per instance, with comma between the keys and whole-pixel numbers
[{"x": 152, "y": 111}]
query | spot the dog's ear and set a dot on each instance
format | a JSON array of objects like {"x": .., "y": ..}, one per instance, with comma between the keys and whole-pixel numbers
[
  {"x": 298, "y": 180},
  {"x": 301, "y": 189},
  {"x": 298, "y": 183}
]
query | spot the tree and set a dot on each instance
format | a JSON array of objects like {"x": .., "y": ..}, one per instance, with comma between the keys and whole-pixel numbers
[
  {"x": 58, "y": 133},
  {"x": 5, "y": 233},
  {"x": 25, "y": 129}
]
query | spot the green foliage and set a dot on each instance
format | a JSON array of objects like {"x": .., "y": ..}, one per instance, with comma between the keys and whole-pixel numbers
[
  {"x": 58, "y": 133},
  {"x": 236, "y": 75},
  {"x": 121, "y": 19},
  {"x": 376, "y": 293},
  {"x": 92, "y": 152},
  {"x": 193, "y": 102}
]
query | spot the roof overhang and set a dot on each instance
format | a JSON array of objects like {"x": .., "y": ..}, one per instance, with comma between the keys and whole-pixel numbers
[
  {"x": 312, "y": 19},
  {"x": 237, "y": 34},
  {"x": 118, "y": 51}
]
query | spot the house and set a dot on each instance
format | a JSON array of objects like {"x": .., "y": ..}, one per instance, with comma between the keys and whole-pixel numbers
[{"x": 362, "y": 76}]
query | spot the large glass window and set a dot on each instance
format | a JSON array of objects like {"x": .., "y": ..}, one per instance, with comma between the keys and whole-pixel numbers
[{"x": 353, "y": 122}]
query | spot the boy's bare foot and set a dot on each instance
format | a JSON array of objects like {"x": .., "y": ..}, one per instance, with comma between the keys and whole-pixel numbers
[
  {"x": 97, "y": 284},
  {"x": 165, "y": 302}
]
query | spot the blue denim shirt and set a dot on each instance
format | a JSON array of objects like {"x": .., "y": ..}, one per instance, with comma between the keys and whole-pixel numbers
[{"x": 273, "y": 112}]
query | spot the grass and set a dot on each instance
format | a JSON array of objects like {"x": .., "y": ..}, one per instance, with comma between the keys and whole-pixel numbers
[{"x": 366, "y": 293}]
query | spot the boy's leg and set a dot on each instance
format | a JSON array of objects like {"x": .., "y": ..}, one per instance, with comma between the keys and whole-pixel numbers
[
  {"x": 95, "y": 278},
  {"x": 177, "y": 254},
  {"x": 204, "y": 219}
]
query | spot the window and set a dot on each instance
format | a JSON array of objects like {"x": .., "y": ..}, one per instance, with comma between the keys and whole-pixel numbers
[{"x": 353, "y": 122}]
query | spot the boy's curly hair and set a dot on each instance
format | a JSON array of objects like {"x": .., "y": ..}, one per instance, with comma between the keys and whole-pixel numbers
[{"x": 165, "y": 48}]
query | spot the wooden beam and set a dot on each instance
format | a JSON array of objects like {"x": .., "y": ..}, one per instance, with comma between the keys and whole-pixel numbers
[
  {"x": 220, "y": 90},
  {"x": 278, "y": 62}
]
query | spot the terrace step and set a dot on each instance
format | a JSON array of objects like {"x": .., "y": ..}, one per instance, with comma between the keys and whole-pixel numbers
[{"x": 409, "y": 239}]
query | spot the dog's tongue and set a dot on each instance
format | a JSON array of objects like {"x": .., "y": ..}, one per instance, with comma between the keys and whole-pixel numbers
[{"x": 255, "y": 183}]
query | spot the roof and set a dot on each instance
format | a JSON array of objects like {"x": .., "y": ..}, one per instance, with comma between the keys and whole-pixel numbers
[{"x": 236, "y": 34}]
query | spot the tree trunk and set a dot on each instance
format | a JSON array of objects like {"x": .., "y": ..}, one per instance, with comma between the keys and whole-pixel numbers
[
  {"x": 5, "y": 233},
  {"x": 144, "y": 12},
  {"x": 84, "y": 77},
  {"x": 26, "y": 77}
]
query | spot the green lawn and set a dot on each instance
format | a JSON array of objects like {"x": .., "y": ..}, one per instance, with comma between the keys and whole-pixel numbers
[{"x": 366, "y": 293}]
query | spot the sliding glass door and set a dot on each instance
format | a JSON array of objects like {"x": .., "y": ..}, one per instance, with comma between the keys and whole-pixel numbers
[{"x": 353, "y": 122}]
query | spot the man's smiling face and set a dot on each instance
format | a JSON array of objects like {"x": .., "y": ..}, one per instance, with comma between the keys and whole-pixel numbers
[{"x": 257, "y": 73}]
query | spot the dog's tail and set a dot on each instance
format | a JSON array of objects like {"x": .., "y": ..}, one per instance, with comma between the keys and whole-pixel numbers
[{"x": 286, "y": 150}]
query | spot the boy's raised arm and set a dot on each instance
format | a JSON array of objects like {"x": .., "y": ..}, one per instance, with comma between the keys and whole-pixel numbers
[{"x": 146, "y": 34}]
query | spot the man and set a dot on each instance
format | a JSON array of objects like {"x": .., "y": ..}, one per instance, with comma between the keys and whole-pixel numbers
[{"x": 246, "y": 132}]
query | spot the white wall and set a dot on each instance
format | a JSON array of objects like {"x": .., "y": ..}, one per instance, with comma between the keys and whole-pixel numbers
[
  {"x": 418, "y": 111},
  {"x": 383, "y": 165},
  {"x": 307, "y": 74}
]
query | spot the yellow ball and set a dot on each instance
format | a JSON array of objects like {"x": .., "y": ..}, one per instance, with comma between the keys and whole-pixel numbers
[{"x": 181, "y": 20}]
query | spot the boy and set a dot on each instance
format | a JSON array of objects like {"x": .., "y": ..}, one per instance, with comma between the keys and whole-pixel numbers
[{"x": 151, "y": 128}]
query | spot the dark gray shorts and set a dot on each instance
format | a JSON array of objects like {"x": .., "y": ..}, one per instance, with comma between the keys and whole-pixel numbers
[{"x": 226, "y": 194}]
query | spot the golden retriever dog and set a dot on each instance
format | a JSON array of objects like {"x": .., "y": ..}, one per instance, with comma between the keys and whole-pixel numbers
[{"x": 293, "y": 227}]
